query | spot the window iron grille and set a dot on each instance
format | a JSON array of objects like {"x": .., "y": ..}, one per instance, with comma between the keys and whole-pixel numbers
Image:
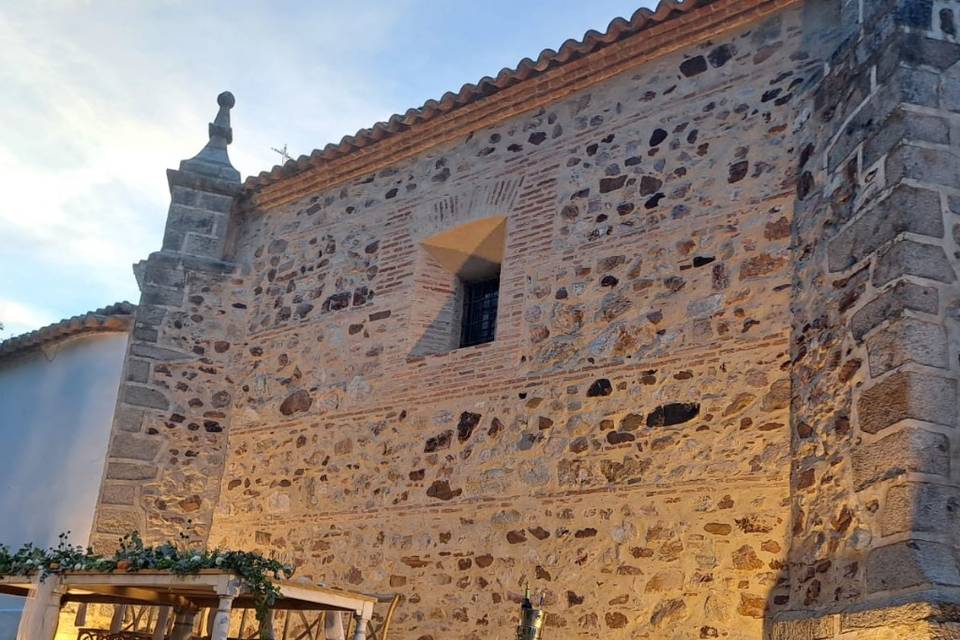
[{"x": 479, "y": 323}]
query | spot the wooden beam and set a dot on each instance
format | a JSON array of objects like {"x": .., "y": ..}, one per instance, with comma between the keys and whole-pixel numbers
[
  {"x": 90, "y": 598},
  {"x": 247, "y": 602},
  {"x": 336, "y": 599},
  {"x": 192, "y": 591},
  {"x": 14, "y": 590},
  {"x": 137, "y": 595}
]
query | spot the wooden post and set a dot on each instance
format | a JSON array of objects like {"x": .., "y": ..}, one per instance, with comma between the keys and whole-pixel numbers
[
  {"x": 183, "y": 624},
  {"x": 209, "y": 615},
  {"x": 81, "y": 619},
  {"x": 221, "y": 619},
  {"x": 160, "y": 627},
  {"x": 243, "y": 622},
  {"x": 266, "y": 631},
  {"x": 116, "y": 622},
  {"x": 286, "y": 624},
  {"x": 333, "y": 626},
  {"x": 360, "y": 632},
  {"x": 51, "y": 615},
  {"x": 41, "y": 614}
]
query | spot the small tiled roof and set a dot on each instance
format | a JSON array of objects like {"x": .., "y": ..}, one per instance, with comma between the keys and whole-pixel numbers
[
  {"x": 548, "y": 59},
  {"x": 116, "y": 317}
]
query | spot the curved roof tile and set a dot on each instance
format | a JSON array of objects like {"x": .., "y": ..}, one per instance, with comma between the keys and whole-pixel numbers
[
  {"x": 115, "y": 317},
  {"x": 592, "y": 40}
]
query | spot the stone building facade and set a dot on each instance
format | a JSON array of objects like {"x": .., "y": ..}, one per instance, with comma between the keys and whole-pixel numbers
[{"x": 721, "y": 400}]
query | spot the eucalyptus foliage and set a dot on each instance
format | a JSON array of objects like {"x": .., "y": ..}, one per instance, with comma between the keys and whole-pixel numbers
[{"x": 256, "y": 572}]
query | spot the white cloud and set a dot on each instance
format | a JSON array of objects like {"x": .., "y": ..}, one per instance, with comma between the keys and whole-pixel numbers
[
  {"x": 18, "y": 318},
  {"x": 100, "y": 99}
]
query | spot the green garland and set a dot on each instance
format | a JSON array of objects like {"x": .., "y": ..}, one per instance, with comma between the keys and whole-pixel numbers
[{"x": 255, "y": 572}]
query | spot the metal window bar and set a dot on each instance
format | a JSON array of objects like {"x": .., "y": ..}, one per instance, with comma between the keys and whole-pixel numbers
[{"x": 479, "y": 324}]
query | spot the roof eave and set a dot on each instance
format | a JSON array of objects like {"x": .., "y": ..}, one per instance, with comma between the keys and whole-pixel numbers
[
  {"x": 117, "y": 318},
  {"x": 531, "y": 85}
]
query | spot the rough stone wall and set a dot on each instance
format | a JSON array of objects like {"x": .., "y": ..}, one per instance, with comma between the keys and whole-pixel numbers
[
  {"x": 623, "y": 444},
  {"x": 876, "y": 332},
  {"x": 168, "y": 443},
  {"x": 722, "y": 396}
]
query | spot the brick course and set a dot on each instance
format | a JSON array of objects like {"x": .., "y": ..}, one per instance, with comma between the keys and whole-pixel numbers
[{"x": 721, "y": 400}]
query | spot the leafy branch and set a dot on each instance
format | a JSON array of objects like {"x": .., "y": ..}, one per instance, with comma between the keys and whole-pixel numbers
[{"x": 256, "y": 573}]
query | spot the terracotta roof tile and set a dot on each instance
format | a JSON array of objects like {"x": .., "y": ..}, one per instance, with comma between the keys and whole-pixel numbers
[
  {"x": 617, "y": 30},
  {"x": 116, "y": 317}
]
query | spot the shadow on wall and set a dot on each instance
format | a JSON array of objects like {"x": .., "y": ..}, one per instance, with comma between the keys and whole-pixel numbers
[
  {"x": 471, "y": 252},
  {"x": 436, "y": 311},
  {"x": 823, "y": 571}
]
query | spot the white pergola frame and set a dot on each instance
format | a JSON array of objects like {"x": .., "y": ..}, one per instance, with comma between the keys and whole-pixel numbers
[{"x": 186, "y": 595}]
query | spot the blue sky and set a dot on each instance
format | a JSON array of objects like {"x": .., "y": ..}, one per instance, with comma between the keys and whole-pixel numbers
[{"x": 99, "y": 98}]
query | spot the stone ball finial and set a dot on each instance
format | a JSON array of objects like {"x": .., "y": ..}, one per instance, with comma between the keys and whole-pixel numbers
[{"x": 213, "y": 159}]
